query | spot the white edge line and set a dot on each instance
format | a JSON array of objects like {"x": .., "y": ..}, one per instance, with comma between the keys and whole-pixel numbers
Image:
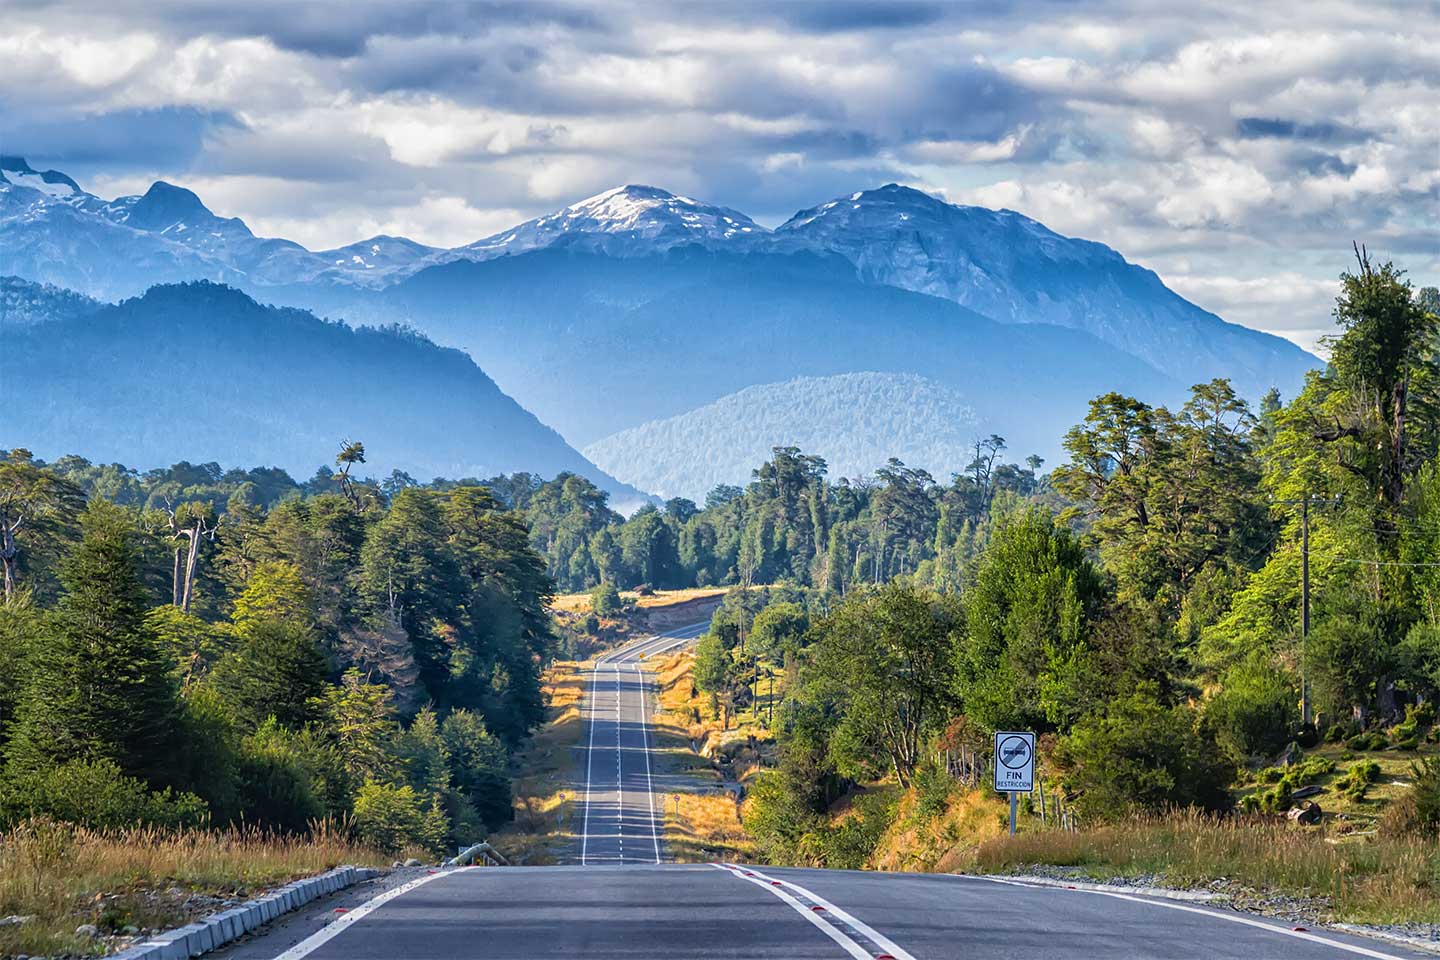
[
  {"x": 1236, "y": 918},
  {"x": 890, "y": 946},
  {"x": 589, "y": 763},
  {"x": 334, "y": 929},
  {"x": 645, "y": 737},
  {"x": 850, "y": 946}
]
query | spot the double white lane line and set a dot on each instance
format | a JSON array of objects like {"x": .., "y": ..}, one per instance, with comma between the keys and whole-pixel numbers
[{"x": 857, "y": 938}]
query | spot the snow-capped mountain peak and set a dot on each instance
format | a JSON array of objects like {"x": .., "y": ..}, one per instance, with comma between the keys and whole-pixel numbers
[
  {"x": 628, "y": 220},
  {"x": 52, "y": 183}
]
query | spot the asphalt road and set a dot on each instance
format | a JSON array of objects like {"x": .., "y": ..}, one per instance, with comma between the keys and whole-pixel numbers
[
  {"x": 619, "y": 900},
  {"x": 677, "y": 912},
  {"x": 621, "y": 818}
]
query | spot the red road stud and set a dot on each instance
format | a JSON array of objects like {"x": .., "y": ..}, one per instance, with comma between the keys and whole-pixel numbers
[
  {"x": 1299, "y": 929},
  {"x": 818, "y": 909},
  {"x": 342, "y": 909},
  {"x": 774, "y": 883},
  {"x": 883, "y": 956}
]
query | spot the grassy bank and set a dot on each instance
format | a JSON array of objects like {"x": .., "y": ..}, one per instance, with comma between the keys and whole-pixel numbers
[
  {"x": 542, "y": 831},
  {"x": 705, "y": 824},
  {"x": 1362, "y": 880},
  {"x": 59, "y": 877}
]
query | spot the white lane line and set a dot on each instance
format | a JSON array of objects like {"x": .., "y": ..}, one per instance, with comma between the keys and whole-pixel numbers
[
  {"x": 589, "y": 763},
  {"x": 1232, "y": 918},
  {"x": 619, "y": 770},
  {"x": 856, "y": 950},
  {"x": 645, "y": 741},
  {"x": 875, "y": 936},
  {"x": 324, "y": 935}
]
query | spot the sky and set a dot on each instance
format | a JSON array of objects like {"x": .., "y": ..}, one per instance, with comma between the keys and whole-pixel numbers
[{"x": 1236, "y": 147}]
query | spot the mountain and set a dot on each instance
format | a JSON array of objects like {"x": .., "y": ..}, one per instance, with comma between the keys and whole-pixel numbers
[
  {"x": 595, "y": 344},
  {"x": 202, "y": 371},
  {"x": 53, "y": 231},
  {"x": 856, "y": 421},
  {"x": 24, "y": 304},
  {"x": 1016, "y": 270},
  {"x": 632, "y": 220}
]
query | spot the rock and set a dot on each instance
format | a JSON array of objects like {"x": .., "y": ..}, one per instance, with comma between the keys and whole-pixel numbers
[
  {"x": 412, "y": 862},
  {"x": 15, "y": 920},
  {"x": 1308, "y": 813},
  {"x": 396, "y": 865},
  {"x": 87, "y": 930},
  {"x": 1289, "y": 756},
  {"x": 1307, "y": 791},
  {"x": 131, "y": 930}
]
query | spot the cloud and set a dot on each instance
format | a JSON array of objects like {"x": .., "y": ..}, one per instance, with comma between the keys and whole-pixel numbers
[{"x": 1233, "y": 147}]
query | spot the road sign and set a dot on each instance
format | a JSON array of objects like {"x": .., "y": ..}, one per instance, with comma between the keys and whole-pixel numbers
[{"x": 1014, "y": 762}]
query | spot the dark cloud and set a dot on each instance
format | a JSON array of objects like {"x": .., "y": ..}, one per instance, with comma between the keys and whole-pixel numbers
[
  {"x": 114, "y": 142},
  {"x": 1257, "y": 127}
]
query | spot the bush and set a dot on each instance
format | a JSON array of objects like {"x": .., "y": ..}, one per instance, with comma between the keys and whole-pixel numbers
[
  {"x": 1358, "y": 778},
  {"x": 390, "y": 818},
  {"x": 605, "y": 600},
  {"x": 1417, "y": 813},
  {"x": 97, "y": 794},
  {"x": 1367, "y": 741},
  {"x": 276, "y": 781},
  {"x": 1142, "y": 755},
  {"x": 1253, "y": 711}
]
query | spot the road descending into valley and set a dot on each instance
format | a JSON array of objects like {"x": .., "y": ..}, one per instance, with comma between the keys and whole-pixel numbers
[{"x": 619, "y": 899}]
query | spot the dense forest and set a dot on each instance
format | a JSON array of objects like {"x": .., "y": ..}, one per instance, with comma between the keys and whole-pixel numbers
[
  {"x": 195, "y": 642},
  {"x": 189, "y": 646}
]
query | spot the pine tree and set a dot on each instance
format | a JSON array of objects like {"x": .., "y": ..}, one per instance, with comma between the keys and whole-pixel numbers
[{"x": 100, "y": 684}]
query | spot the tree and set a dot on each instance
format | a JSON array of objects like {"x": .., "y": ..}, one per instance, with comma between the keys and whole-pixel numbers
[
  {"x": 103, "y": 689},
  {"x": 276, "y": 670},
  {"x": 190, "y": 524},
  {"x": 778, "y": 629},
  {"x": 349, "y": 455},
  {"x": 478, "y": 765},
  {"x": 1025, "y": 660},
  {"x": 31, "y": 500},
  {"x": 886, "y": 655}
]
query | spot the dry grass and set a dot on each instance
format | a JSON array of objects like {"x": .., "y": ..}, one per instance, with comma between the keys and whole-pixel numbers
[
  {"x": 1364, "y": 881},
  {"x": 580, "y": 602},
  {"x": 62, "y": 876},
  {"x": 706, "y": 828},
  {"x": 944, "y": 842},
  {"x": 544, "y": 805}
]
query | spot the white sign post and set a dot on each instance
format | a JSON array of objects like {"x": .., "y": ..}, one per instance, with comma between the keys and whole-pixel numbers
[{"x": 1014, "y": 766}]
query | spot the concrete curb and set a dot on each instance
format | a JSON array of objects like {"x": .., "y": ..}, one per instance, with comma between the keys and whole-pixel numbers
[
  {"x": 1419, "y": 943},
  {"x": 218, "y": 929},
  {"x": 1164, "y": 893}
]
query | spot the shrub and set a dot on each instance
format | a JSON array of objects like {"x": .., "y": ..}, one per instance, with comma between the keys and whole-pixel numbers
[
  {"x": 94, "y": 793},
  {"x": 390, "y": 818},
  {"x": 276, "y": 781},
  {"x": 1367, "y": 741},
  {"x": 1253, "y": 710},
  {"x": 1358, "y": 778},
  {"x": 1417, "y": 812},
  {"x": 1268, "y": 775},
  {"x": 1143, "y": 755},
  {"x": 605, "y": 600}
]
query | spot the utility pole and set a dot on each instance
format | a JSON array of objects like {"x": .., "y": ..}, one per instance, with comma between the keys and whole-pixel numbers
[
  {"x": 1304, "y": 611},
  {"x": 1304, "y": 502}
]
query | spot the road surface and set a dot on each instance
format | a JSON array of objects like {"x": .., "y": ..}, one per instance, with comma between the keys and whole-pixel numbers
[
  {"x": 619, "y": 900},
  {"x": 621, "y": 818},
  {"x": 685, "y": 911}
]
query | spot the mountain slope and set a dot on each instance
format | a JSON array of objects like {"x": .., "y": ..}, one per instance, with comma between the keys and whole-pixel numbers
[
  {"x": 1016, "y": 270},
  {"x": 596, "y": 344},
  {"x": 856, "y": 421},
  {"x": 201, "y": 370}
]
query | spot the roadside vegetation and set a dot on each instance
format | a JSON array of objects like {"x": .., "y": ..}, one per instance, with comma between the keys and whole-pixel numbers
[{"x": 57, "y": 879}]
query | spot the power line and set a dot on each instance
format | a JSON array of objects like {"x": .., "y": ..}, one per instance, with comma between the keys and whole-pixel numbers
[{"x": 1384, "y": 563}]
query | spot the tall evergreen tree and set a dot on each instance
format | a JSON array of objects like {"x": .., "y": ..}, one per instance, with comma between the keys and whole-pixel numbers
[{"x": 103, "y": 688}]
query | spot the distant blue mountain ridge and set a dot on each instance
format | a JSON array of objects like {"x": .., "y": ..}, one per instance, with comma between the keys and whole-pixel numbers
[{"x": 638, "y": 305}]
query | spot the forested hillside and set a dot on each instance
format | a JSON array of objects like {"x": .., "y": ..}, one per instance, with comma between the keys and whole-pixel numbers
[
  {"x": 853, "y": 420},
  {"x": 187, "y": 647},
  {"x": 201, "y": 371}
]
